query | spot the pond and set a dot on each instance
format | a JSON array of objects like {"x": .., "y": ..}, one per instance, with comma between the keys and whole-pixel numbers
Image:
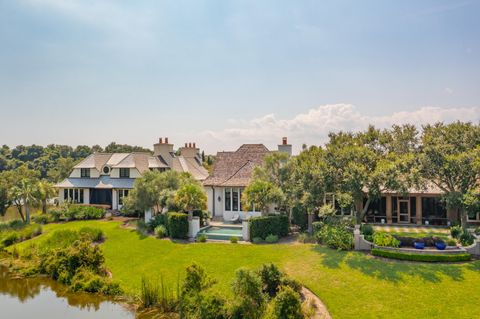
[{"x": 44, "y": 298}]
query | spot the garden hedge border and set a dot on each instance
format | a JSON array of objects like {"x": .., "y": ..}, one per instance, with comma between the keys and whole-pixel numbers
[
  {"x": 268, "y": 225},
  {"x": 420, "y": 257}
]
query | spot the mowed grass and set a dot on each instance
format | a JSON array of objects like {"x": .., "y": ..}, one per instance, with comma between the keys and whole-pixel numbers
[{"x": 351, "y": 284}]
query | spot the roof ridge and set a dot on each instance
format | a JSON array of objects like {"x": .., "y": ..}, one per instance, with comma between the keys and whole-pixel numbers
[{"x": 235, "y": 173}]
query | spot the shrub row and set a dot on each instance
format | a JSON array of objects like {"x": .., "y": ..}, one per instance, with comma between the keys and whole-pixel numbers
[
  {"x": 335, "y": 236},
  {"x": 261, "y": 227},
  {"x": 10, "y": 237},
  {"x": 177, "y": 225},
  {"x": 78, "y": 212},
  {"x": 421, "y": 257}
]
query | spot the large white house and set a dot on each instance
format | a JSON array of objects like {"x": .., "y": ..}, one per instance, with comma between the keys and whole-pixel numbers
[
  {"x": 232, "y": 172},
  {"x": 106, "y": 178}
]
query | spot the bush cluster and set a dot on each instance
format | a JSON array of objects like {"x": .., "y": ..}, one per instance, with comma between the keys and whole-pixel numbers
[
  {"x": 456, "y": 231},
  {"x": 385, "y": 240},
  {"x": 79, "y": 265},
  {"x": 300, "y": 217},
  {"x": 421, "y": 257},
  {"x": 335, "y": 236},
  {"x": 17, "y": 232},
  {"x": 79, "y": 212},
  {"x": 466, "y": 238},
  {"x": 268, "y": 225},
  {"x": 160, "y": 231},
  {"x": 271, "y": 239},
  {"x": 367, "y": 231}
]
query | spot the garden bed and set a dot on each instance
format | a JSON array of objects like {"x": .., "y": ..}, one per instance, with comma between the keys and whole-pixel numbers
[{"x": 430, "y": 256}]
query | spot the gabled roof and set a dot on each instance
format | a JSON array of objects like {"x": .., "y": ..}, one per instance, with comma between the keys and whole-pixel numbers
[
  {"x": 98, "y": 160},
  {"x": 140, "y": 161},
  {"x": 236, "y": 168},
  {"x": 189, "y": 165}
]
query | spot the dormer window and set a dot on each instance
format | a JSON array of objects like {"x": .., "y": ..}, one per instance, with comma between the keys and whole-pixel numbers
[
  {"x": 85, "y": 172},
  {"x": 124, "y": 172}
]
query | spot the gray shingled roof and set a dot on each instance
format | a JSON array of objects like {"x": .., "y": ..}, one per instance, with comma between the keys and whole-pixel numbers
[
  {"x": 236, "y": 168},
  {"x": 190, "y": 165},
  {"x": 101, "y": 182}
]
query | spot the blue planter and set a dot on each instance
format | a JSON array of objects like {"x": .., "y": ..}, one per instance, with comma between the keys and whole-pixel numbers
[
  {"x": 419, "y": 245},
  {"x": 440, "y": 245}
]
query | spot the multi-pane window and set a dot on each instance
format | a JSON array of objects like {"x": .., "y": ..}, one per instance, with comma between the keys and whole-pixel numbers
[
  {"x": 85, "y": 172},
  {"x": 73, "y": 195},
  {"x": 233, "y": 200},
  {"x": 122, "y": 193},
  {"x": 124, "y": 172}
]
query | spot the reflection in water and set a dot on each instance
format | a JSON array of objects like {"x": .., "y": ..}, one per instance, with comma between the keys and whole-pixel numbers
[{"x": 29, "y": 296}]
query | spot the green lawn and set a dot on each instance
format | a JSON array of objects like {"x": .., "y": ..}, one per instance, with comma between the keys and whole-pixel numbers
[{"x": 351, "y": 284}]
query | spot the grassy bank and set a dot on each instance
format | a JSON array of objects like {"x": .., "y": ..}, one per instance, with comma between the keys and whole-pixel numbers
[{"x": 351, "y": 284}]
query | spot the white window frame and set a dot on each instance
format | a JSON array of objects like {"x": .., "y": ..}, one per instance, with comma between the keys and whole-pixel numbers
[
  {"x": 74, "y": 195},
  {"x": 477, "y": 219},
  {"x": 121, "y": 195}
]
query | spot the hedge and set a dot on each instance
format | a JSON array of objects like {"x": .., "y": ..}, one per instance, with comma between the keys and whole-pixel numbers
[
  {"x": 177, "y": 225},
  {"x": 79, "y": 212},
  {"x": 421, "y": 257},
  {"x": 268, "y": 225}
]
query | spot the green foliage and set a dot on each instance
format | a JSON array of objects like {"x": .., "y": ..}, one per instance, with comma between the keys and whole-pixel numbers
[
  {"x": 305, "y": 238},
  {"x": 93, "y": 234},
  {"x": 191, "y": 197},
  {"x": 142, "y": 227},
  {"x": 88, "y": 281},
  {"x": 157, "y": 220},
  {"x": 336, "y": 237},
  {"x": 385, "y": 240},
  {"x": 456, "y": 231},
  {"x": 178, "y": 225},
  {"x": 287, "y": 304},
  {"x": 14, "y": 234},
  {"x": 316, "y": 226},
  {"x": 234, "y": 239},
  {"x": 477, "y": 231},
  {"x": 268, "y": 225},
  {"x": 160, "y": 231},
  {"x": 451, "y": 242},
  {"x": 271, "y": 278},
  {"x": 466, "y": 238},
  {"x": 80, "y": 212},
  {"x": 250, "y": 300},
  {"x": 260, "y": 194},
  {"x": 202, "y": 238},
  {"x": 41, "y": 219},
  {"x": 300, "y": 217},
  {"x": 157, "y": 294},
  {"x": 271, "y": 239},
  {"x": 326, "y": 211},
  {"x": 421, "y": 257},
  {"x": 367, "y": 231},
  {"x": 257, "y": 240},
  {"x": 55, "y": 215}
]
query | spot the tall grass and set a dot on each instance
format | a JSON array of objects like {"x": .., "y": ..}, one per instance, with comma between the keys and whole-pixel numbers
[{"x": 155, "y": 293}]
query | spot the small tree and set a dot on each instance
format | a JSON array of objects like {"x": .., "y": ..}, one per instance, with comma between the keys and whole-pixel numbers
[
  {"x": 45, "y": 191},
  {"x": 261, "y": 193},
  {"x": 25, "y": 194},
  {"x": 287, "y": 304},
  {"x": 250, "y": 300},
  {"x": 191, "y": 197}
]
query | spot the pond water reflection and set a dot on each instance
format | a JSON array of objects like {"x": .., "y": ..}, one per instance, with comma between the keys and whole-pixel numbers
[{"x": 28, "y": 298}]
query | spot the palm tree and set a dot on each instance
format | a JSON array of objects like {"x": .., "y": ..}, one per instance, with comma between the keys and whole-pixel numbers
[
  {"x": 25, "y": 193},
  {"x": 45, "y": 191},
  {"x": 191, "y": 197}
]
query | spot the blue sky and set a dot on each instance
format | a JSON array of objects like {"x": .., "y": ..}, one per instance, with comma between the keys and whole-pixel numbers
[{"x": 221, "y": 73}]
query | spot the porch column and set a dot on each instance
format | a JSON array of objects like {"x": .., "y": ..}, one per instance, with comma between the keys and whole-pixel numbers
[
  {"x": 61, "y": 199},
  {"x": 389, "y": 209},
  {"x": 114, "y": 199},
  {"x": 86, "y": 196},
  {"x": 419, "y": 209}
]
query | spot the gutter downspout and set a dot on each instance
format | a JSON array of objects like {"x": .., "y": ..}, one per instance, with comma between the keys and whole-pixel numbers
[{"x": 213, "y": 201}]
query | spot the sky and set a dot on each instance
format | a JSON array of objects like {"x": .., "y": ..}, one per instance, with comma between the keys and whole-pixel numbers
[{"x": 222, "y": 73}]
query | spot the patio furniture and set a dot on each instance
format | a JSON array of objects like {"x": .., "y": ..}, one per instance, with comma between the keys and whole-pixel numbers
[{"x": 235, "y": 218}]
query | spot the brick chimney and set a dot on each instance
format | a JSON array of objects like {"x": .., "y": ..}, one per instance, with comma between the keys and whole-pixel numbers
[
  {"x": 285, "y": 147},
  {"x": 190, "y": 151},
  {"x": 164, "y": 150}
]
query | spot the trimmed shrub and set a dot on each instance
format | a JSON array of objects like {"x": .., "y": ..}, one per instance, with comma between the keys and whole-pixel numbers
[
  {"x": 202, "y": 238},
  {"x": 367, "y": 231},
  {"x": 93, "y": 234},
  {"x": 79, "y": 212},
  {"x": 316, "y": 226},
  {"x": 160, "y": 231},
  {"x": 257, "y": 240},
  {"x": 300, "y": 217},
  {"x": 451, "y": 242},
  {"x": 160, "y": 219},
  {"x": 234, "y": 239},
  {"x": 41, "y": 219},
  {"x": 268, "y": 225},
  {"x": 455, "y": 231},
  {"x": 466, "y": 238},
  {"x": 421, "y": 257},
  {"x": 287, "y": 304},
  {"x": 336, "y": 237},
  {"x": 178, "y": 225},
  {"x": 385, "y": 240},
  {"x": 271, "y": 239}
]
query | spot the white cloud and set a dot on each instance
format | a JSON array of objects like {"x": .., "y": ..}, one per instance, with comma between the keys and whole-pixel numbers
[
  {"x": 449, "y": 91},
  {"x": 313, "y": 126}
]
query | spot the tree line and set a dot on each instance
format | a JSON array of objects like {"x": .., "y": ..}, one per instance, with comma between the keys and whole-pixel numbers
[{"x": 360, "y": 166}]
